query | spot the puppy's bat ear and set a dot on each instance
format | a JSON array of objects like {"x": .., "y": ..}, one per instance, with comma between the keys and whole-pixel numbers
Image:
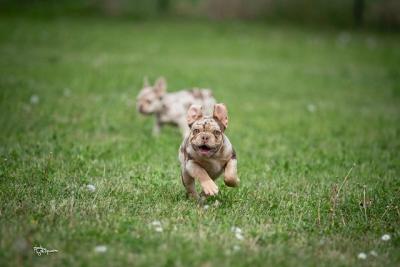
[
  {"x": 221, "y": 113},
  {"x": 146, "y": 81},
  {"x": 194, "y": 113},
  {"x": 160, "y": 87}
]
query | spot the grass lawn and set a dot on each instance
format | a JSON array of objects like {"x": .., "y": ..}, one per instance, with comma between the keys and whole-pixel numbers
[{"x": 307, "y": 107}]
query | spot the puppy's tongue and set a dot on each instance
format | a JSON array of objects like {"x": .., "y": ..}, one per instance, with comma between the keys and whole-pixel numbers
[{"x": 204, "y": 150}]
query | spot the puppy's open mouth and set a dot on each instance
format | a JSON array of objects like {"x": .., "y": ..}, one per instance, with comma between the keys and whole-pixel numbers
[{"x": 204, "y": 149}]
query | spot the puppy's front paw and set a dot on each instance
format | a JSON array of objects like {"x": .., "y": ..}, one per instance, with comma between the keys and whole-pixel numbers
[{"x": 209, "y": 188}]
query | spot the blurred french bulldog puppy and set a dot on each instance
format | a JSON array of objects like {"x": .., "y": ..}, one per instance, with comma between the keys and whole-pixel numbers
[
  {"x": 206, "y": 152},
  {"x": 170, "y": 108}
]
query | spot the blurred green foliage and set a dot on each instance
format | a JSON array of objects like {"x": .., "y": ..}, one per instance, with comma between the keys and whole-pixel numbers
[
  {"x": 131, "y": 8},
  {"x": 370, "y": 13}
]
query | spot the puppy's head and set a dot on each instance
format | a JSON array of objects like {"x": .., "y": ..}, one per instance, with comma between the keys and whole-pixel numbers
[
  {"x": 149, "y": 99},
  {"x": 206, "y": 132}
]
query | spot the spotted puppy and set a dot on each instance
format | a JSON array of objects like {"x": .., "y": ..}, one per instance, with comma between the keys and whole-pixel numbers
[
  {"x": 206, "y": 152},
  {"x": 170, "y": 108}
]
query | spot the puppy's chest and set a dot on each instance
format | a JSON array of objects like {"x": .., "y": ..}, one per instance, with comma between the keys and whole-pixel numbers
[{"x": 214, "y": 167}]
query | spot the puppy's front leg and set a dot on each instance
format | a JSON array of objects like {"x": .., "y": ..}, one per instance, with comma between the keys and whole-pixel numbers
[
  {"x": 207, "y": 184},
  {"x": 188, "y": 183},
  {"x": 230, "y": 173},
  {"x": 157, "y": 127}
]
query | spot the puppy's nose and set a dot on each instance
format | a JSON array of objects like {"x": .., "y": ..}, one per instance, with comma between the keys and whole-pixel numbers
[{"x": 205, "y": 138}]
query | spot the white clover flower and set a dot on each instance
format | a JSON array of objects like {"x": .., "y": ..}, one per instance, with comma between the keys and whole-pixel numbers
[
  {"x": 156, "y": 223},
  {"x": 100, "y": 249},
  {"x": 91, "y": 188},
  {"x": 373, "y": 253},
  {"x": 362, "y": 256},
  {"x": 238, "y": 232},
  {"x": 239, "y": 236},
  {"x": 157, "y": 226},
  {"x": 385, "y": 237},
  {"x": 311, "y": 108},
  {"x": 236, "y": 229},
  {"x": 34, "y": 99},
  {"x": 158, "y": 229},
  {"x": 67, "y": 92},
  {"x": 206, "y": 207}
]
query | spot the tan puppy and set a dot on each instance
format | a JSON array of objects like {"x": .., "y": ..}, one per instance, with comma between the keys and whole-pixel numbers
[
  {"x": 206, "y": 152},
  {"x": 170, "y": 108}
]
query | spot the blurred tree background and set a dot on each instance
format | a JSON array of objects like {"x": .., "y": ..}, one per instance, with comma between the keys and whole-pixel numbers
[{"x": 382, "y": 14}]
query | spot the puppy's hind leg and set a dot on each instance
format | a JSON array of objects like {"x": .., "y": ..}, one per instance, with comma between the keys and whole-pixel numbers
[
  {"x": 230, "y": 174},
  {"x": 189, "y": 184}
]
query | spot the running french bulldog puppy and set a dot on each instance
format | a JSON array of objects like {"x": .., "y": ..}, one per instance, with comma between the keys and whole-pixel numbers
[
  {"x": 170, "y": 108},
  {"x": 206, "y": 152}
]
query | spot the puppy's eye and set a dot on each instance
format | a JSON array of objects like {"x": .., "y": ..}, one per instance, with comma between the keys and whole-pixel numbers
[
  {"x": 196, "y": 131},
  {"x": 148, "y": 101},
  {"x": 217, "y": 132}
]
